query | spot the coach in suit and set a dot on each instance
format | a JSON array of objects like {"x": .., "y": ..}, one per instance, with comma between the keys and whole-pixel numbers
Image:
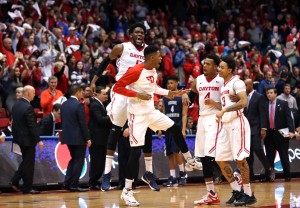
[
  {"x": 99, "y": 129},
  {"x": 47, "y": 124},
  {"x": 257, "y": 117},
  {"x": 279, "y": 117},
  {"x": 26, "y": 135},
  {"x": 76, "y": 135}
]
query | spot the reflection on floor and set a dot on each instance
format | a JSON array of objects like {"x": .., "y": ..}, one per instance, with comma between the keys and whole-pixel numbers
[{"x": 278, "y": 194}]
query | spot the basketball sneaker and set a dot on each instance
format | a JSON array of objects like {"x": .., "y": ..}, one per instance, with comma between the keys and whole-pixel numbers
[
  {"x": 245, "y": 200},
  {"x": 149, "y": 179},
  {"x": 193, "y": 164},
  {"x": 208, "y": 199},
  {"x": 182, "y": 178},
  {"x": 236, "y": 195},
  {"x": 105, "y": 186},
  {"x": 170, "y": 182},
  {"x": 127, "y": 196}
]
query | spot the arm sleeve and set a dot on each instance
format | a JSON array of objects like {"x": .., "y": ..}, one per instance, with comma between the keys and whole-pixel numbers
[
  {"x": 131, "y": 76},
  {"x": 161, "y": 91}
]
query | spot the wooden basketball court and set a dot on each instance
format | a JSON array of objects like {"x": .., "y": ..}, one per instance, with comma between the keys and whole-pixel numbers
[{"x": 278, "y": 194}]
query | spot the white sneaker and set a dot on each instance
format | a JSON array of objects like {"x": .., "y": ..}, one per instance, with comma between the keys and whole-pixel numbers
[
  {"x": 208, "y": 199},
  {"x": 127, "y": 196},
  {"x": 193, "y": 164}
]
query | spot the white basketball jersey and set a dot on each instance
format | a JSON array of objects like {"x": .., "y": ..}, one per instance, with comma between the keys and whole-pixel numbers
[
  {"x": 231, "y": 87},
  {"x": 208, "y": 89},
  {"x": 130, "y": 57}
]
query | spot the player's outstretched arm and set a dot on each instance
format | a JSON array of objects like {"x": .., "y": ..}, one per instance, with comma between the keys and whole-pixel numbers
[{"x": 115, "y": 53}]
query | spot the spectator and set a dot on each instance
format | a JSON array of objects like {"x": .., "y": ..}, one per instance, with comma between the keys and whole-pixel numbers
[
  {"x": 281, "y": 82},
  {"x": 190, "y": 129},
  {"x": 264, "y": 84},
  {"x": 6, "y": 47},
  {"x": 79, "y": 76},
  {"x": 166, "y": 66},
  {"x": 294, "y": 77},
  {"x": 50, "y": 95},
  {"x": 286, "y": 96},
  {"x": 191, "y": 68}
]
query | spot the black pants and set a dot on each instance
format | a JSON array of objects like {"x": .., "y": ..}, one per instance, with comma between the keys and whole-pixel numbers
[
  {"x": 26, "y": 168},
  {"x": 275, "y": 141},
  {"x": 75, "y": 165},
  {"x": 256, "y": 147},
  {"x": 97, "y": 163}
]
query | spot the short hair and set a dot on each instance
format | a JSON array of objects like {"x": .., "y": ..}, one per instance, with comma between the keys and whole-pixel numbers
[
  {"x": 230, "y": 62},
  {"x": 215, "y": 58},
  {"x": 150, "y": 50},
  {"x": 84, "y": 86},
  {"x": 173, "y": 77},
  {"x": 52, "y": 78},
  {"x": 271, "y": 88},
  {"x": 56, "y": 107},
  {"x": 74, "y": 89},
  {"x": 132, "y": 27},
  {"x": 99, "y": 89},
  {"x": 287, "y": 85}
]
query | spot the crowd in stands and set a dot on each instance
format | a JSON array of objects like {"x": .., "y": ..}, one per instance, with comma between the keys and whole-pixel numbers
[{"x": 69, "y": 39}]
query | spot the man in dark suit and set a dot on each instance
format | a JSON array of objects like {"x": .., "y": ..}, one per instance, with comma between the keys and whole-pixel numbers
[
  {"x": 256, "y": 115},
  {"x": 100, "y": 125},
  {"x": 279, "y": 117},
  {"x": 76, "y": 135},
  {"x": 47, "y": 124},
  {"x": 26, "y": 135}
]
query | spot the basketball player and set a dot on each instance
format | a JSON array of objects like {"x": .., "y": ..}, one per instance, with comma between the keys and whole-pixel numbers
[
  {"x": 174, "y": 109},
  {"x": 233, "y": 142},
  {"x": 139, "y": 84},
  {"x": 127, "y": 55},
  {"x": 208, "y": 86}
]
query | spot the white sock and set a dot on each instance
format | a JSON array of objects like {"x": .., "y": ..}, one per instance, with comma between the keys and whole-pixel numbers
[
  {"x": 128, "y": 184},
  {"x": 181, "y": 167},
  {"x": 148, "y": 164},
  {"x": 210, "y": 186},
  {"x": 187, "y": 155},
  {"x": 235, "y": 186},
  {"x": 108, "y": 163},
  {"x": 247, "y": 189},
  {"x": 173, "y": 173}
]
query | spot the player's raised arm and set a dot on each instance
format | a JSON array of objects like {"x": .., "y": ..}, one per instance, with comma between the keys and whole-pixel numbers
[{"x": 115, "y": 53}]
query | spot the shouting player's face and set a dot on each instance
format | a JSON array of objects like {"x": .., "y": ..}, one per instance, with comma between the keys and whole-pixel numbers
[
  {"x": 209, "y": 67},
  {"x": 138, "y": 36}
]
